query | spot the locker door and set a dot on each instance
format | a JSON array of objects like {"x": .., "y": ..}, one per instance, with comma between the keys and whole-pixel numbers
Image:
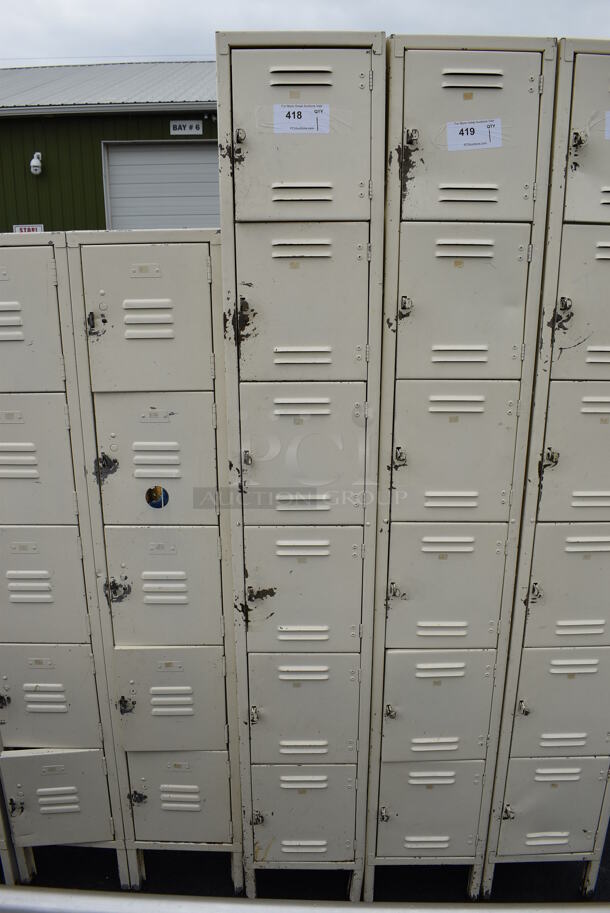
[
  {"x": 48, "y": 697},
  {"x": 304, "y": 708},
  {"x": 461, "y": 299},
  {"x": 156, "y": 457},
  {"x": 43, "y": 592},
  {"x": 471, "y": 131},
  {"x": 304, "y": 588},
  {"x": 458, "y": 438},
  {"x": 577, "y": 452},
  {"x": 587, "y": 185},
  {"x": 30, "y": 341},
  {"x": 164, "y": 584},
  {"x": 558, "y": 702},
  {"x": 303, "y": 452},
  {"x": 170, "y": 696},
  {"x": 429, "y": 810},
  {"x": 581, "y": 348},
  {"x": 303, "y": 293},
  {"x": 58, "y": 796},
  {"x": 437, "y": 704},
  {"x": 149, "y": 321},
  {"x": 445, "y": 584},
  {"x": 36, "y": 482},
  {"x": 570, "y": 579},
  {"x": 302, "y": 134},
  {"x": 556, "y": 805},
  {"x": 304, "y": 812},
  {"x": 181, "y": 796}
]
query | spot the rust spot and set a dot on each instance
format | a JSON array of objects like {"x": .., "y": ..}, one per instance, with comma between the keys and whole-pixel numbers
[
  {"x": 243, "y": 609},
  {"x": 261, "y": 593},
  {"x": 391, "y": 324},
  {"x": 243, "y": 317}
]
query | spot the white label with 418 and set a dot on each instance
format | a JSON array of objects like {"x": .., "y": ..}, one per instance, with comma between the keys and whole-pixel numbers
[
  {"x": 301, "y": 118},
  {"x": 474, "y": 134}
]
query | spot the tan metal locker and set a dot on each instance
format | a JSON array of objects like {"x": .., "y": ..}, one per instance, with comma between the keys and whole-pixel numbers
[
  {"x": 36, "y": 481},
  {"x": 445, "y": 584},
  {"x": 304, "y": 588},
  {"x": 181, "y": 796},
  {"x": 56, "y": 796},
  {"x": 304, "y": 812},
  {"x": 303, "y": 300},
  {"x": 164, "y": 584},
  {"x": 304, "y": 708},
  {"x": 429, "y": 809},
  {"x": 461, "y": 299},
  {"x": 156, "y": 457},
  {"x": 30, "y": 342},
  {"x": 301, "y": 133},
  {"x": 48, "y": 696},
  {"x": 552, "y": 805},
  {"x": 43, "y": 591},
  {"x": 471, "y": 129},
  {"x": 148, "y": 316}
]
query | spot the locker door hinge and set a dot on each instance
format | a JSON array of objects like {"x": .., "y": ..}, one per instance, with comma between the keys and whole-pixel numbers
[
  {"x": 217, "y": 503},
  {"x": 534, "y": 190},
  {"x": 209, "y": 270},
  {"x": 367, "y": 352},
  {"x": 541, "y": 84},
  {"x": 222, "y": 626},
  {"x": 112, "y": 830},
  {"x": 362, "y": 549},
  {"x": 523, "y": 351},
  {"x": 62, "y": 367},
  {"x": 75, "y": 500},
  {"x": 230, "y": 832},
  {"x": 214, "y": 416},
  {"x": 101, "y": 732},
  {"x": 226, "y": 733},
  {"x": 219, "y": 547},
  {"x": 518, "y": 410},
  {"x": 370, "y": 198},
  {"x": 224, "y": 667},
  {"x": 369, "y": 250},
  {"x": 67, "y": 415},
  {"x": 104, "y": 765},
  {"x": 88, "y": 624},
  {"x": 530, "y": 251},
  {"x": 79, "y": 545},
  {"x": 359, "y": 675},
  {"x": 213, "y": 365},
  {"x": 506, "y": 547},
  {"x": 510, "y": 497},
  {"x": 360, "y": 631},
  {"x": 53, "y": 272},
  {"x": 371, "y": 80},
  {"x": 365, "y": 408}
]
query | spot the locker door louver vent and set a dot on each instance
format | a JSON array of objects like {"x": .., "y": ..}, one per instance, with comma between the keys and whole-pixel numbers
[
  {"x": 302, "y": 355},
  {"x": 588, "y": 544},
  {"x": 580, "y": 626},
  {"x": 29, "y": 586},
  {"x": 171, "y": 700},
  {"x": 472, "y": 78},
  {"x": 440, "y": 670},
  {"x": 468, "y": 193},
  {"x": 148, "y": 318},
  {"x": 58, "y": 800},
  {"x": 422, "y": 842},
  {"x": 432, "y": 777},
  {"x": 444, "y": 544},
  {"x": 547, "y": 838},
  {"x": 303, "y": 548},
  {"x": 302, "y": 192},
  {"x": 574, "y": 666},
  {"x": 442, "y": 628},
  {"x": 303, "y": 746},
  {"x": 563, "y": 739},
  {"x": 455, "y": 403},
  {"x": 457, "y": 499},
  {"x": 303, "y": 673},
  {"x": 590, "y": 499},
  {"x": 10, "y": 316},
  {"x": 300, "y": 76},
  {"x": 557, "y": 774},
  {"x": 165, "y": 588},
  {"x": 595, "y": 405},
  {"x": 45, "y": 697},
  {"x": 155, "y": 459},
  {"x": 474, "y": 354},
  {"x": 302, "y": 249},
  {"x": 436, "y": 743},
  {"x": 17, "y": 460},
  {"x": 178, "y": 797},
  {"x": 465, "y": 248},
  {"x": 306, "y": 633},
  {"x": 296, "y": 405},
  {"x": 302, "y": 501},
  {"x": 605, "y": 199},
  {"x": 598, "y": 355},
  {"x": 603, "y": 250},
  {"x": 316, "y": 781},
  {"x": 317, "y": 847}
]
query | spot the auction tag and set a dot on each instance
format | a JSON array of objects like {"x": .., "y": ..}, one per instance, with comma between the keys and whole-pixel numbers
[
  {"x": 474, "y": 134},
  {"x": 301, "y": 118}
]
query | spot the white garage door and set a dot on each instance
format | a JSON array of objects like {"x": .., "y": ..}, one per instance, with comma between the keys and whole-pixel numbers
[{"x": 162, "y": 185}]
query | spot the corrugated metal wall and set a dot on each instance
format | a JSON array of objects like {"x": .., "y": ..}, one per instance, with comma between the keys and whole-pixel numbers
[{"x": 69, "y": 194}]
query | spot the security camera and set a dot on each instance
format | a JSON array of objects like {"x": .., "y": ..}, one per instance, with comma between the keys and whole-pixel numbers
[{"x": 36, "y": 163}]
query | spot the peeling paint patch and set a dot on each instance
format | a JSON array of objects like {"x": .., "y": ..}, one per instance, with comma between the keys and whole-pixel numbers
[
  {"x": 243, "y": 327},
  {"x": 104, "y": 466},
  {"x": 261, "y": 593}
]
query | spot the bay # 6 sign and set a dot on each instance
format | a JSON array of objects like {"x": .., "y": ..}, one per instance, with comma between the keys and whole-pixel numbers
[{"x": 186, "y": 128}]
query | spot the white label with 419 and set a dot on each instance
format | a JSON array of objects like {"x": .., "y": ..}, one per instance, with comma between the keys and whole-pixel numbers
[{"x": 474, "y": 134}]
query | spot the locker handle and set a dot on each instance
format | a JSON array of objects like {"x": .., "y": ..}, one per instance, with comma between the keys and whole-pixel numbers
[
  {"x": 91, "y": 323},
  {"x": 240, "y": 135},
  {"x": 579, "y": 139},
  {"x": 536, "y": 592},
  {"x": 394, "y": 591},
  {"x": 136, "y": 798},
  {"x": 406, "y": 306},
  {"x": 507, "y": 813},
  {"x": 400, "y": 456},
  {"x": 383, "y": 814},
  {"x": 550, "y": 459},
  {"x": 15, "y": 808},
  {"x": 257, "y": 818},
  {"x": 4, "y": 701},
  {"x": 254, "y": 715},
  {"x": 248, "y": 458},
  {"x": 523, "y": 708},
  {"x": 126, "y": 705},
  {"x": 412, "y": 138},
  {"x": 390, "y": 712}
]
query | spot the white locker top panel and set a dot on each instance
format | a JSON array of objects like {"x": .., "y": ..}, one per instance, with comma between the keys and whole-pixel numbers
[
  {"x": 437, "y": 704},
  {"x": 471, "y": 132},
  {"x": 58, "y": 796},
  {"x": 304, "y": 588},
  {"x": 148, "y": 316},
  {"x": 568, "y": 604},
  {"x": 304, "y": 708},
  {"x": 157, "y": 457},
  {"x": 587, "y": 184},
  {"x": 303, "y": 300},
  {"x": 36, "y": 481},
  {"x": 164, "y": 584},
  {"x": 48, "y": 696},
  {"x": 461, "y": 299},
  {"x": 43, "y": 590},
  {"x": 553, "y": 805},
  {"x": 581, "y": 342},
  {"x": 576, "y": 459},
  {"x": 429, "y": 809},
  {"x": 303, "y": 458},
  {"x": 454, "y": 445},
  {"x": 30, "y": 341},
  {"x": 304, "y": 813},
  {"x": 169, "y": 696},
  {"x": 558, "y": 702},
  {"x": 181, "y": 796},
  {"x": 301, "y": 133},
  {"x": 445, "y": 584}
]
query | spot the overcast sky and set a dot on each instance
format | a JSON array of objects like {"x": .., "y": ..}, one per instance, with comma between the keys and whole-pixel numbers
[{"x": 71, "y": 31}]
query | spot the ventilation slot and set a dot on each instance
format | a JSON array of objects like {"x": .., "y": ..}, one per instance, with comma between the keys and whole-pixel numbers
[
  {"x": 464, "y": 248},
  {"x": 603, "y": 250},
  {"x": 300, "y": 501},
  {"x": 595, "y": 404},
  {"x": 17, "y": 461},
  {"x": 471, "y": 78},
  {"x": 302, "y": 192},
  {"x": 598, "y": 355},
  {"x": 442, "y": 628},
  {"x": 588, "y": 543},
  {"x": 300, "y": 76},
  {"x": 148, "y": 318},
  {"x": 438, "y": 743},
  {"x": 303, "y": 746},
  {"x": 305, "y": 846},
  {"x": 468, "y": 193},
  {"x": 590, "y": 499},
  {"x": 547, "y": 838},
  {"x": 444, "y": 544},
  {"x": 427, "y": 843},
  {"x": 58, "y": 800},
  {"x": 293, "y": 405},
  {"x": 297, "y": 249},
  {"x": 45, "y": 698},
  {"x": 432, "y": 777},
  {"x": 451, "y": 499},
  {"x": 303, "y": 673},
  {"x": 165, "y": 588},
  {"x": 468, "y": 354},
  {"x": 557, "y": 774},
  {"x": 456, "y": 404},
  {"x": 440, "y": 670},
  {"x": 563, "y": 739},
  {"x": 303, "y": 548},
  {"x": 29, "y": 586},
  {"x": 176, "y": 797},
  {"x": 574, "y": 666},
  {"x": 172, "y": 700},
  {"x": 302, "y": 355},
  {"x": 580, "y": 627},
  {"x": 155, "y": 459},
  {"x": 305, "y": 782},
  {"x": 10, "y": 317},
  {"x": 307, "y": 633},
  {"x": 605, "y": 191}
]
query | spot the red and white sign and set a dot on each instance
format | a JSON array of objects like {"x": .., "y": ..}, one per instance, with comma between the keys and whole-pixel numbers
[{"x": 27, "y": 229}]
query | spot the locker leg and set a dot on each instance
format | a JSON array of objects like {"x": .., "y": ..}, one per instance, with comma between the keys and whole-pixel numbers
[
  {"x": 26, "y": 864},
  {"x": 590, "y": 878},
  {"x": 123, "y": 867},
  {"x": 487, "y": 880},
  {"x": 135, "y": 868},
  {"x": 355, "y": 885},
  {"x": 475, "y": 878},
  {"x": 250, "y": 877},
  {"x": 9, "y": 867},
  {"x": 237, "y": 873},
  {"x": 369, "y": 883}
]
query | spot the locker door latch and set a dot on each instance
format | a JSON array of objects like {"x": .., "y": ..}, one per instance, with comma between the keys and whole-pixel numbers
[
  {"x": 405, "y": 307},
  {"x": 400, "y": 456},
  {"x": 257, "y": 818},
  {"x": 383, "y": 814},
  {"x": 248, "y": 458},
  {"x": 390, "y": 712},
  {"x": 126, "y": 705},
  {"x": 136, "y": 798},
  {"x": 536, "y": 592},
  {"x": 254, "y": 715},
  {"x": 117, "y": 590},
  {"x": 523, "y": 708},
  {"x": 578, "y": 139},
  {"x": 412, "y": 139},
  {"x": 240, "y": 135},
  {"x": 394, "y": 591},
  {"x": 507, "y": 813},
  {"x": 104, "y": 466},
  {"x": 15, "y": 808},
  {"x": 4, "y": 701},
  {"x": 550, "y": 459}
]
